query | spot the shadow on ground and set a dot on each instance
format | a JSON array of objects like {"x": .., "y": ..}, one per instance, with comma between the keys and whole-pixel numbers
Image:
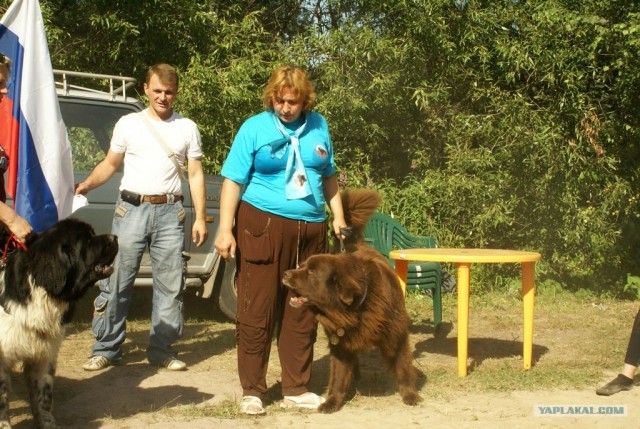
[{"x": 479, "y": 349}]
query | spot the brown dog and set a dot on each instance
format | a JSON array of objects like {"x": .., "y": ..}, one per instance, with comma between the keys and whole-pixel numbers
[{"x": 358, "y": 301}]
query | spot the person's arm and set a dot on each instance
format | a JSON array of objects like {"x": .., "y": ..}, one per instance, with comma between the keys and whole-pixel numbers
[
  {"x": 199, "y": 230},
  {"x": 101, "y": 173},
  {"x": 333, "y": 198},
  {"x": 229, "y": 199},
  {"x": 16, "y": 224}
]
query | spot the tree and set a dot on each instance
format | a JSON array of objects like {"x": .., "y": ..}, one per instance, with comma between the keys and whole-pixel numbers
[{"x": 485, "y": 123}]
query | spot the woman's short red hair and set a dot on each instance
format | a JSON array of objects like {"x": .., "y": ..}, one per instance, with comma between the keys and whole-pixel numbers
[{"x": 293, "y": 78}]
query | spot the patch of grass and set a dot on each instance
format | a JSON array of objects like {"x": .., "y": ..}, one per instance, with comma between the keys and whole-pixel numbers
[
  {"x": 227, "y": 409},
  {"x": 579, "y": 340}
]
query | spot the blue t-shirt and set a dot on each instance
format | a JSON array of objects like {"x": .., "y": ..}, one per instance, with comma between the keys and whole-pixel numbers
[{"x": 251, "y": 163}]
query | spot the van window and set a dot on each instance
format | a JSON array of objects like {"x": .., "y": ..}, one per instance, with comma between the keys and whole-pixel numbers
[{"x": 90, "y": 126}]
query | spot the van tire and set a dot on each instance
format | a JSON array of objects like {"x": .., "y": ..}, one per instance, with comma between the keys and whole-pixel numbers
[{"x": 228, "y": 298}]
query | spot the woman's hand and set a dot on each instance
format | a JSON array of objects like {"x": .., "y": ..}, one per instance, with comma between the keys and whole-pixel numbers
[
  {"x": 337, "y": 225},
  {"x": 225, "y": 244}
]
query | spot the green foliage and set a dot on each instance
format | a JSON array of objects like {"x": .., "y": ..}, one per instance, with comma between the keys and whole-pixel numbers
[
  {"x": 223, "y": 87},
  {"x": 633, "y": 286},
  {"x": 87, "y": 152},
  {"x": 506, "y": 124}
]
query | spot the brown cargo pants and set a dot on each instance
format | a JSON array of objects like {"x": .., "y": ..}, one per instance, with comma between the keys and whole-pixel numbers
[{"x": 268, "y": 245}]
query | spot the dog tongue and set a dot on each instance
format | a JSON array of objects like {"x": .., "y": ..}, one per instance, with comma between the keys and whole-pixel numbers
[{"x": 297, "y": 301}]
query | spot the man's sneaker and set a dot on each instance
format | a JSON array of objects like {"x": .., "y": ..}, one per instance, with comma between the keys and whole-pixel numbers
[
  {"x": 96, "y": 363},
  {"x": 173, "y": 364}
]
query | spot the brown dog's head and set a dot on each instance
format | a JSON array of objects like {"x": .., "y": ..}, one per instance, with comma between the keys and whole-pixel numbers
[{"x": 328, "y": 282}]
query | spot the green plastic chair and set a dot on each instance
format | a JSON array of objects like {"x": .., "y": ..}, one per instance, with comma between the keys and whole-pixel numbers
[{"x": 385, "y": 234}]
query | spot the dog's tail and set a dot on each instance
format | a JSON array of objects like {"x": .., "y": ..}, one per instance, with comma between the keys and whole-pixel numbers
[{"x": 359, "y": 205}]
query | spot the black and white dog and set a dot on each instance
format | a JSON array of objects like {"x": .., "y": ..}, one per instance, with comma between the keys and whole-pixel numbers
[{"x": 41, "y": 286}]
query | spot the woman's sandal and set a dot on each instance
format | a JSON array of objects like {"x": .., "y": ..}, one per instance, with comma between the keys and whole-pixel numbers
[
  {"x": 252, "y": 405},
  {"x": 308, "y": 400}
]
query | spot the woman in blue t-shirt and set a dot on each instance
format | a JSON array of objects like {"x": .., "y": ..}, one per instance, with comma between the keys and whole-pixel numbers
[{"x": 279, "y": 175}]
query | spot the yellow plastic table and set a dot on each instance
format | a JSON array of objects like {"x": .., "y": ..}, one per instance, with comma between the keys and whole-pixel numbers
[{"x": 463, "y": 258}]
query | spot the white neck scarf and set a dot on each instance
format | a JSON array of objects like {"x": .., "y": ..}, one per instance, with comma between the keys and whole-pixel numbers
[{"x": 296, "y": 180}]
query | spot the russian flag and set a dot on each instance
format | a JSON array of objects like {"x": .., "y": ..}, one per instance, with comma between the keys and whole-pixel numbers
[{"x": 40, "y": 174}]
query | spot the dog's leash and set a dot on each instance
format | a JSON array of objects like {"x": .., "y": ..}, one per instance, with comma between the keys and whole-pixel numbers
[
  {"x": 345, "y": 231},
  {"x": 12, "y": 243}
]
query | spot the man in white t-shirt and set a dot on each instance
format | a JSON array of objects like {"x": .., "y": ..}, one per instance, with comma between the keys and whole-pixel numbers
[{"x": 149, "y": 212}]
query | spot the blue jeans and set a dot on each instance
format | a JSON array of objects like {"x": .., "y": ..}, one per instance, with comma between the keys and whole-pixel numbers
[{"x": 161, "y": 226}]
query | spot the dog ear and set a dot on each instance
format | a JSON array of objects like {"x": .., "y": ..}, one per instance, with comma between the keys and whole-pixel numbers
[
  {"x": 52, "y": 266},
  {"x": 64, "y": 275},
  {"x": 351, "y": 286},
  {"x": 342, "y": 284}
]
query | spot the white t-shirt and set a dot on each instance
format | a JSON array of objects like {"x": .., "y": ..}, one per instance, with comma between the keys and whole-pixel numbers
[{"x": 147, "y": 168}]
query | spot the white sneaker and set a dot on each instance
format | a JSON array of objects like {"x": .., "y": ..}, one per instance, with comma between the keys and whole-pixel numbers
[
  {"x": 96, "y": 363},
  {"x": 173, "y": 364}
]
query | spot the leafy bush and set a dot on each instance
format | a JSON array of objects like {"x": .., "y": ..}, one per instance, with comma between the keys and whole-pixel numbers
[{"x": 506, "y": 124}]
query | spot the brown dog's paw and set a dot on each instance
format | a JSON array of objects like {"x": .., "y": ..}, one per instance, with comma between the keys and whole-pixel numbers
[
  {"x": 331, "y": 405},
  {"x": 411, "y": 398}
]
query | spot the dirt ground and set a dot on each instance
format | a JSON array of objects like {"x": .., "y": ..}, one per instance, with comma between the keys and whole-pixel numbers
[{"x": 135, "y": 395}]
